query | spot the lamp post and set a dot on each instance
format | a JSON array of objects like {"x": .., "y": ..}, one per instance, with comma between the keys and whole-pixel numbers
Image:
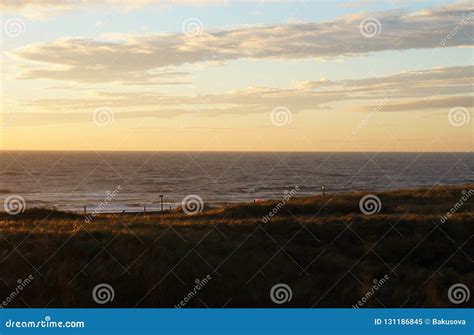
[{"x": 161, "y": 201}]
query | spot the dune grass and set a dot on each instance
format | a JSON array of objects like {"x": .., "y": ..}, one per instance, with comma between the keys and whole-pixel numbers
[{"x": 323, "y": 248}]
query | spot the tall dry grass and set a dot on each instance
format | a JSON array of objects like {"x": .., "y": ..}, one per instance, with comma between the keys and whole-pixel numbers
[{"x": 324, "y": 248}]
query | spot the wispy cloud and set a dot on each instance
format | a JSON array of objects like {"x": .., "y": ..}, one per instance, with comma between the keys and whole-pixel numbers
[
  {"x": 141, "y": 59},
  {"x": 432, "y": 89},
  {"x": 430, "y": 103},
  {"x": 44, "y": 9}
]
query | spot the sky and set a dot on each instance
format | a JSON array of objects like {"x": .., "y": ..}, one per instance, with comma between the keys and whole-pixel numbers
[{"x": 237, "y": 76}]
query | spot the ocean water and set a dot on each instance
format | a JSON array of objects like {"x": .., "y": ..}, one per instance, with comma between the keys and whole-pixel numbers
[{"x": 129, "y": 180}]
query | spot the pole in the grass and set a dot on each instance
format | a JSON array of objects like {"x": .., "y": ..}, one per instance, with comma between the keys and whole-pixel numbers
[
  {"x": 161, "y": 201},
  {"x": 144, "y": 208},
  {"x": 85, "y": 209},
  {"x": 323, "y": 188}
]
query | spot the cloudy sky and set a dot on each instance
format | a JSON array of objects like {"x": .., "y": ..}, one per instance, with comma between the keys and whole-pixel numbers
[{"x": 222, "y": 75}]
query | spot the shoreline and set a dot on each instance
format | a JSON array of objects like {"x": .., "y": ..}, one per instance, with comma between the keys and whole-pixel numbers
[{"x": 154, "y": 209}]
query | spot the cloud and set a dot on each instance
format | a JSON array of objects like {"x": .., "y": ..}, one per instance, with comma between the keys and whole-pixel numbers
[
  {"x": 431, "y": 82},
  {"x": 103, "y": 75},
  {"x": 120, "y": 56},
  {"x": 421, "y": 90},
  {"x": 430, "y": 103},
  {"x": 35, "y": 9},
  {"x": 44, "y": 9}
]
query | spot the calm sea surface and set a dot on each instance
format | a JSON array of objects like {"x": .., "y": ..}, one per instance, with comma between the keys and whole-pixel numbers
[{"x": 72, "y": 180}]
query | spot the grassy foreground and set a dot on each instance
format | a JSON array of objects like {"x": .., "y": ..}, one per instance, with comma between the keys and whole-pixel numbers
[{"x": 323, "y": 248}]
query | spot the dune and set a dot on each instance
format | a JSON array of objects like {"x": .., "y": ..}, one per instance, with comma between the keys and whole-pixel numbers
[{"x": 324, "y": 248}]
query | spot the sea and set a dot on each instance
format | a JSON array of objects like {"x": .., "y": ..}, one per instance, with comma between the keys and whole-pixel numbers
[{"x": 129, "y": 181}]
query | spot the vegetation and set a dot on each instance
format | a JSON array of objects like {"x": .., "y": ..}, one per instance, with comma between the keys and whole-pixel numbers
[{"x": 324, "y": 248}]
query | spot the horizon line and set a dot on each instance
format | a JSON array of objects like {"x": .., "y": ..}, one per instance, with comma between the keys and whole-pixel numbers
[{"x": 224, "y": 151}]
